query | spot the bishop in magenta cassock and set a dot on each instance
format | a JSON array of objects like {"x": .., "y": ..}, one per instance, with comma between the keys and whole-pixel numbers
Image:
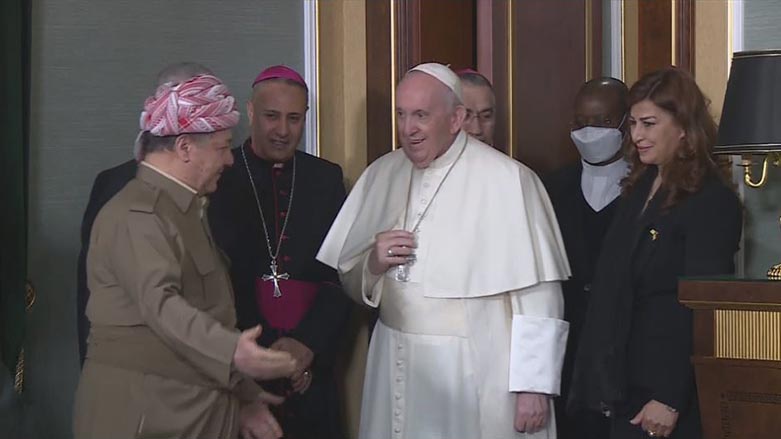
[{"x": 270, "y": 214}]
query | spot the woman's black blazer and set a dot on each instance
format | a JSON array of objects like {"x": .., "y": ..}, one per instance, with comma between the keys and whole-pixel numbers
[{"x": 637, "y": 336}]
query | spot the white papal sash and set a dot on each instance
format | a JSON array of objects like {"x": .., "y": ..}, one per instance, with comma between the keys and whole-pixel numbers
[{"x": 405, "y": 308}]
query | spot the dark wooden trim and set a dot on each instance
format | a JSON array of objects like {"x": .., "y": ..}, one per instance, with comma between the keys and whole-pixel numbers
[
  {"x": 684, "y": 44},
  {"x": 408, "y": 23},
  {"x": 425, "y": 32},
  {"x": 499, "y": 71},
  {"x": 738, "y": 398},
  {"x": 736, "y": 363},
  {"x": 484, "y": 36},
  {"x": 548, "y": 69},
  {"x": 422, "y": 33},
  {"x": 596, "y": 39},
  {"x": 443, "y": 31},
  {"x": 655, "y": 30},
  {"x": 379, "y": 82},
  {"x": 703, "y": 327},
  {"x": 728, "y": 293}
]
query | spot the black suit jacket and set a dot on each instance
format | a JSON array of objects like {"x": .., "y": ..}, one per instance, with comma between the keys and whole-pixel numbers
[
  {"x": 564, "y": 189},
  {"x": 583, "y": 232},
  {"x": 637, "y": 338},
  {"x": 107, "y": 184}
]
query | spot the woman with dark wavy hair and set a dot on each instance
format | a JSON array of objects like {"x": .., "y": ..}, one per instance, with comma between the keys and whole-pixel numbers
[{"x": 678, "y": 217}]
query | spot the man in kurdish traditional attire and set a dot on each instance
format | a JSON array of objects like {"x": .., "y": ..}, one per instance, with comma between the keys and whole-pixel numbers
[
  {"x": 164, "y": 358},
  {"x": 270, "y": 215},
  {"x": 585, "y": 197},
  {"x": 458, "y": 246},
  {"x": 107, "y": 183}
]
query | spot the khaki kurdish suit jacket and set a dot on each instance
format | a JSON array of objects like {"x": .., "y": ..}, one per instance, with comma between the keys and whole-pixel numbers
[{"x": 163, "y": 322}]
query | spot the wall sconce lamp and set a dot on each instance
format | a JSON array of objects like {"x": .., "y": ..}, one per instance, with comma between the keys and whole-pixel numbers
[{"x": 751, "y": 118}]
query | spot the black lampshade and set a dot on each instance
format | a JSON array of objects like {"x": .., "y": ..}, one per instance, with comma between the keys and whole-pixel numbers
[{"x": 751, "y": 117}]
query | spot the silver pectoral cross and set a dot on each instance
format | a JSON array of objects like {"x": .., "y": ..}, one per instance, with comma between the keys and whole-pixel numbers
[
  {"x": 275, "y": 277},
  {"x": 402, "y": 271}
]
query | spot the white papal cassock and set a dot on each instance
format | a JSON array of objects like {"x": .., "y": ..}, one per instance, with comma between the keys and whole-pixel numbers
[{"x": 479, "y": 318}]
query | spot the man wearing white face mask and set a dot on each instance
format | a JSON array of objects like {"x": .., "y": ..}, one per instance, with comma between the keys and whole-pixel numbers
[{"x": 584, "y": 197}]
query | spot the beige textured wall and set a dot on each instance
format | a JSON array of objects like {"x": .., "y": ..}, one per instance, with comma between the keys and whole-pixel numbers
[
  {"x": 712, "y": 50},
  {"x": 342, "y": 112},
  {"x": 343, "y": 85}
]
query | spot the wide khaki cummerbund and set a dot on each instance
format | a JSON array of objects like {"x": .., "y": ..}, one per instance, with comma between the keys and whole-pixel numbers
[
  {"x": 404, "y": 308},
  {"x": 137, "y": 348}
]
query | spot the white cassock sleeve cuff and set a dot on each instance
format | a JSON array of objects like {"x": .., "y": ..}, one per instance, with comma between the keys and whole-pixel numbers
[
  {"x": 371, "y": 285},
  {"x": 537, "y": 354}
]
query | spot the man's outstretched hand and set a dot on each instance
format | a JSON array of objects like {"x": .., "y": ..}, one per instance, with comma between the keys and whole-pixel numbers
[{"x": 259, "y": 362}]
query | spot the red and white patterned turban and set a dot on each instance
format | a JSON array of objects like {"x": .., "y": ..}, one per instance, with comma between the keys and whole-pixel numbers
[{"x": 202, "y": 104}]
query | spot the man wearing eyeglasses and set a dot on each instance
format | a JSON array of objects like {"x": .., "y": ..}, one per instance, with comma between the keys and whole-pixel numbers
[{"x": 480, "y": 103}]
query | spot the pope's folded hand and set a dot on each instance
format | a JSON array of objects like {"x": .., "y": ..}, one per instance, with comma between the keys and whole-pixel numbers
[
  {"x": 531, "y": 412},
  {"x": 391, "y": 248}
]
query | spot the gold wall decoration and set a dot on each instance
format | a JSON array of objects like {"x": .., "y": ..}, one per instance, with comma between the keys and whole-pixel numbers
[
  {"x": 29, "y": 301},
  {"x": 747, "y": 335},
  {"x": 19, "y": 375}
]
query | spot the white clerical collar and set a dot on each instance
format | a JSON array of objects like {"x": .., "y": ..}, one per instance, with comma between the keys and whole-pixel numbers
[
  {"x": 602, "y": 184},
  {"x": 452, "y": 152},
  {"x": 169, "y": 176}
]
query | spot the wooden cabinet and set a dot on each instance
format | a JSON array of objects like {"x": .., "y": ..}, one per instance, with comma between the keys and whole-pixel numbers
[{"x": 737, "y": 355}]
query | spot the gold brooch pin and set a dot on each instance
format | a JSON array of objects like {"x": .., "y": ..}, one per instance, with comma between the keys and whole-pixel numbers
[{"x": 654, "y": 234}]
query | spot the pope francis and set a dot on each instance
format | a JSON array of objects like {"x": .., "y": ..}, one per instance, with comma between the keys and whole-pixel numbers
[{"x": 459, "y": 248}]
